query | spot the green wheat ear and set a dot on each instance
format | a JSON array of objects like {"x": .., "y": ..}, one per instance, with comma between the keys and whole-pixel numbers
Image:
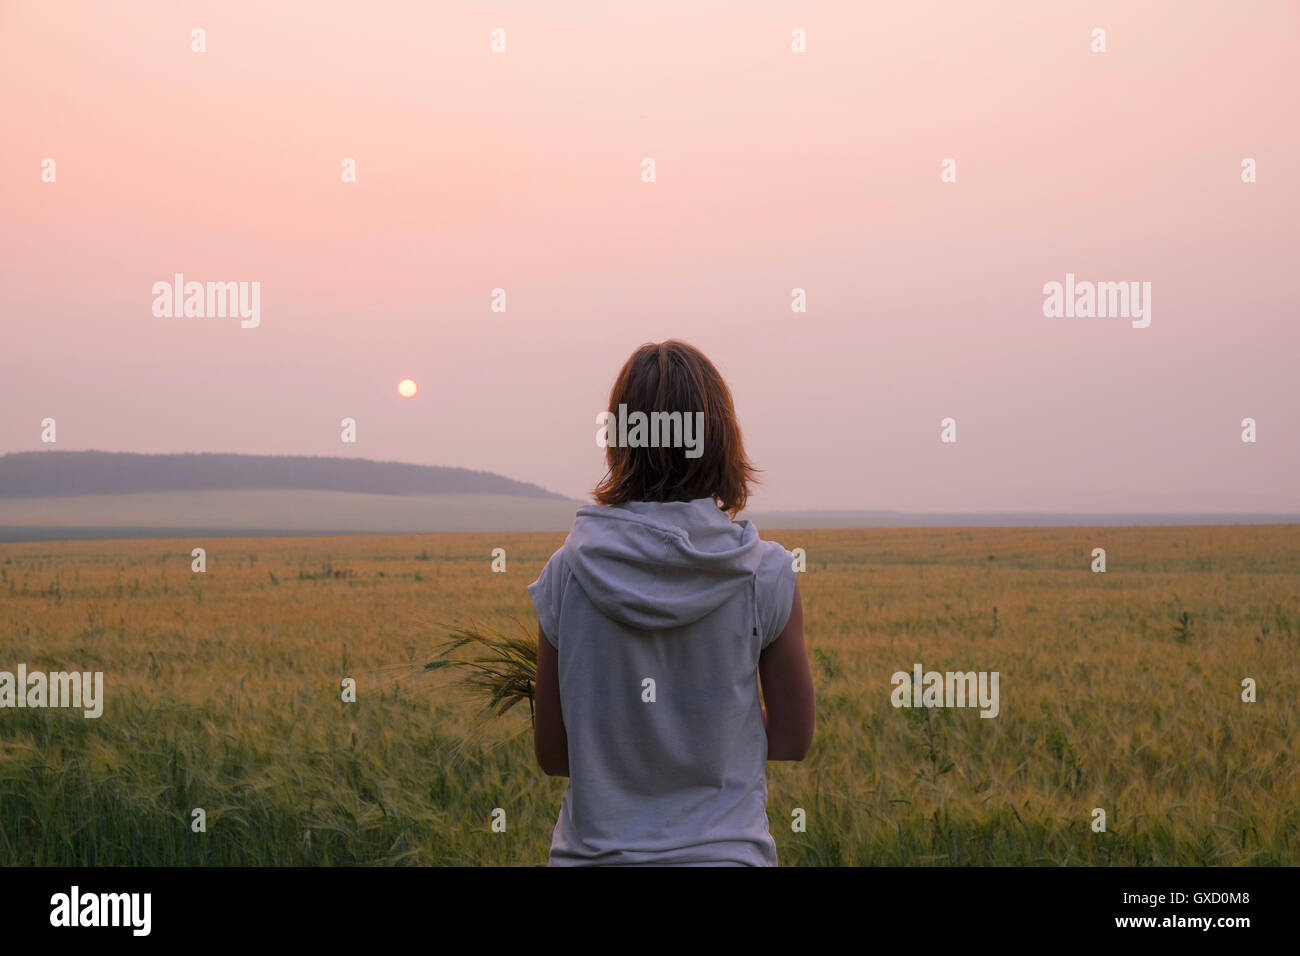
[{"x": 503, "y": 667}]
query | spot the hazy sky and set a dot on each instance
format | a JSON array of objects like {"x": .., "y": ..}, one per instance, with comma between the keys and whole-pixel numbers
[{"x": 775, "y": 170}]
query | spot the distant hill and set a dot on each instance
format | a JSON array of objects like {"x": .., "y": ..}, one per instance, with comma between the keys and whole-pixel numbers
[
  {"x": 57, "y": 495},
  {"x": 67, "y": 473}
]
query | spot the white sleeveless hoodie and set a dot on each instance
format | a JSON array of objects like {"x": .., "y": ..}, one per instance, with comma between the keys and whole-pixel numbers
[{"x": 658, "y": 612}]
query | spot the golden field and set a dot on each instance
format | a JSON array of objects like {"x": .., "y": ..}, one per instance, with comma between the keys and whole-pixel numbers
[{"x": 1119, "y": 690}]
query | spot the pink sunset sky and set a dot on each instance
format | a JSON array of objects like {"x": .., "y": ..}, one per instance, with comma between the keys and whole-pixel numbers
[{"x": 775, "y": 170}]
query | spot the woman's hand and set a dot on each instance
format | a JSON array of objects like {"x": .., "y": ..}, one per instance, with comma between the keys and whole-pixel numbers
[{"x": 788, "y": 687}]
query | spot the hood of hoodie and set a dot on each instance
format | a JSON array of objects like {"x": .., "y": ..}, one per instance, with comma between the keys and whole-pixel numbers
[{"x": 655, "y": 565}]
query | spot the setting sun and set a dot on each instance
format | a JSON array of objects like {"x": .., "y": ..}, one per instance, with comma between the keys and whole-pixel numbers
[{"x": 407, "y": 388}]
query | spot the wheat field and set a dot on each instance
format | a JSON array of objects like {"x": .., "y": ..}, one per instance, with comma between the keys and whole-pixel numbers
[{"x": 1119, "y": 690}]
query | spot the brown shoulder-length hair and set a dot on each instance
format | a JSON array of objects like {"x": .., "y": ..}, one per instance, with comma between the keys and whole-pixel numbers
[{"x": 667, "y": 377}]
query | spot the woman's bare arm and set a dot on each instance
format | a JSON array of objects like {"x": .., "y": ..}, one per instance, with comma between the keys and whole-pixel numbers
[
  {"x": 791, "y": 713},
  {"x": 550, "y": 740}
]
